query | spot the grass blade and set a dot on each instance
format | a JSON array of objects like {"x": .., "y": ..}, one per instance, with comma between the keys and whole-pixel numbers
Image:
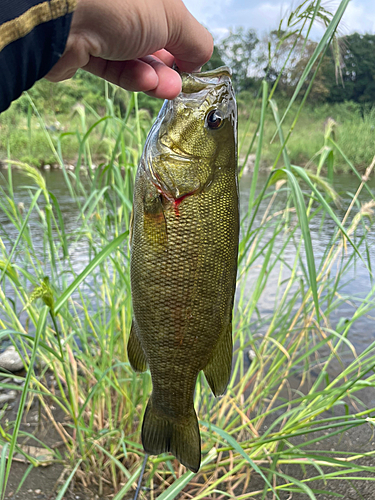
[
  {"x": 318, "y": 51},
  {"x": 233, "y": 443},
  {"x": 68, "y": 481},
  {"x": 24, "y": 224},
  {"x": 89, "y": 268},
  {"x": 38, "y": 333},
  {"x": 3, "y": 462},
  {"x": 181, "y": 482}
]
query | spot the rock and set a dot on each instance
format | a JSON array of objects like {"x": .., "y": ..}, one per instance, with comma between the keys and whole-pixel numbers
[
  {"x": 18, "y": 380},
  {"x": 10, "y": 360},
  {"x": 47, "y": 167},
  {"x": 251, "y": 354},
  {"x": 38, "y": 492},
  {"x": 8, "y": 396}
]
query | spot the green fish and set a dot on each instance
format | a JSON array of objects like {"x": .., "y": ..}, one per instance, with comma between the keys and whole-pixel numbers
[{"x": 184, "y": 244}]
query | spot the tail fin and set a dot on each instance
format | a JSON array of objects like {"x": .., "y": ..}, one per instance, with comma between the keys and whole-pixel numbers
[{"x": 182, "y": 439}]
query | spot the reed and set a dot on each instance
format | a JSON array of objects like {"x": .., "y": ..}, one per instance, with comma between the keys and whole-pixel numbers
[{"x": 71, "y": 325}]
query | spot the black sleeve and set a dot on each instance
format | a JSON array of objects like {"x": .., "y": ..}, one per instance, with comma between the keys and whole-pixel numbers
[{"x": 33, "y": 36}]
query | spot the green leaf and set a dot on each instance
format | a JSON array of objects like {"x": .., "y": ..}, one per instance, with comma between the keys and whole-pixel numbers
[
  {"x": 300, "y": 171},
  {"x": 120, "y": 495},
  {"x": 302, "y": 487},
  {"x": 260, "y": 145},
  {"x": 61, "y": 224}
]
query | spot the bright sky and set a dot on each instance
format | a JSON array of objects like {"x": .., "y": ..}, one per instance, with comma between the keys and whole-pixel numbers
[{"x": 265, "y": 15}]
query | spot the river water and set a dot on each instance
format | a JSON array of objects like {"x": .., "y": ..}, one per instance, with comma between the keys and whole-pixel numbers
[{"x": 357, "y": 283}]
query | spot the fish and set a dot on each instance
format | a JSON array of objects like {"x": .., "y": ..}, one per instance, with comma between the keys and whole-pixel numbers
[{"x": 183, "y": 259}]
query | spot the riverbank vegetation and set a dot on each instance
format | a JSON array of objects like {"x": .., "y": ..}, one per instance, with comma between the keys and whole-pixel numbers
[
  {"x": 266, "y": 437},
  {"x": 340, "y": 87},
  {"x": 23, "y": 136}
]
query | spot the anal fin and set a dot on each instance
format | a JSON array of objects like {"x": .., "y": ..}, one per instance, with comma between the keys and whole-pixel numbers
[
  {"x": 136, "y": 354},
  {"x": 218, "y": 369}
]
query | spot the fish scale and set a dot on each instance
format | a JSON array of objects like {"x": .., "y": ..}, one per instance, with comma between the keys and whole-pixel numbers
[{"x": 184, "y": 242}]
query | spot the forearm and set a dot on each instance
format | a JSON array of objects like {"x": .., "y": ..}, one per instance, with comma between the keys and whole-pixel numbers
[{"x": 33, "y": 36}]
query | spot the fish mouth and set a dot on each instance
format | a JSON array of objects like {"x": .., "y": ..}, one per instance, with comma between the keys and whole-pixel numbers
[{"x": 194, "y": 82}]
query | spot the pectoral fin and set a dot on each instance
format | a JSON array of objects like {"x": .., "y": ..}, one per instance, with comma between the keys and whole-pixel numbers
[
  {"x": 154, "y": 223},
  {"x": 136, "y": 355},
  {"x": 218, "y": 369}
]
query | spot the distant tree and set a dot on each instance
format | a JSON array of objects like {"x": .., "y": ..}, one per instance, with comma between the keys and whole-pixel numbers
[
  {"x": 347, "y": 72},
  {"x": 237, "y": 50},
  {"x": 284, "y": 56},
  {"x": 216, "y": 60},
  {"x": 273, "y": 51},
  {"x": 357, "y": 68},
  {"x": 319, "y": 90}
]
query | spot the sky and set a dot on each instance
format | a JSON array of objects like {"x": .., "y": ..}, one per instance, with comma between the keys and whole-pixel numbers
[{"x": 265, "y": 15}]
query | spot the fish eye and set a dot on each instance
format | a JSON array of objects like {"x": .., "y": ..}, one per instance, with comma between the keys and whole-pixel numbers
[{"x": 214, "y": 119}]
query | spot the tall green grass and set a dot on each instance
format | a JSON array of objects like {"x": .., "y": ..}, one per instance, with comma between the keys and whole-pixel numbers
[
  {"x": 74, "y": 325},
  {"x": 353, "y": 131}
]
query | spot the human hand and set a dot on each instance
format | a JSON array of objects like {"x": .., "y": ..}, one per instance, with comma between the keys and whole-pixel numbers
[{"x": 134, "y": 43}]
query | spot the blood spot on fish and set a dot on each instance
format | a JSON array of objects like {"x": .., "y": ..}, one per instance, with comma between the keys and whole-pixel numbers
[{"x": 177, "y": 202}]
